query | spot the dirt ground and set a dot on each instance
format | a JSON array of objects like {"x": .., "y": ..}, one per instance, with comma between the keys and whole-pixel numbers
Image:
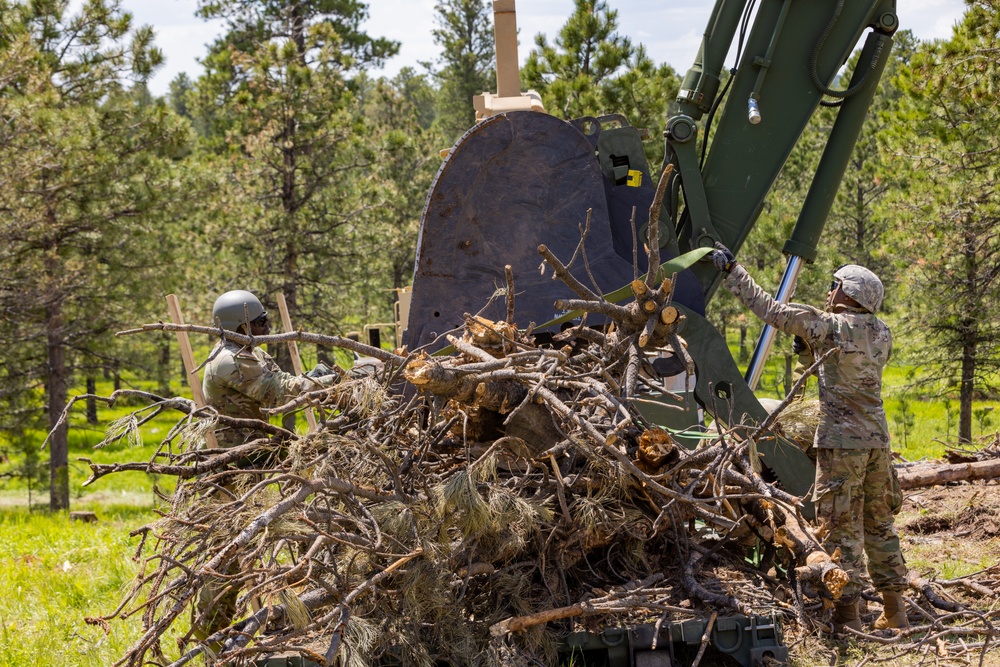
[{"x": 951, "y": 539}]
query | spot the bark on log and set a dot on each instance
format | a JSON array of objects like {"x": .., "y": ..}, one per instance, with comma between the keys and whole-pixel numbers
[
  {"x": 818, "y": 565},
  {"x": 924, "y": 476},
  {"x": 923, "y": 586},
  {"x": 432, "y": 376}
]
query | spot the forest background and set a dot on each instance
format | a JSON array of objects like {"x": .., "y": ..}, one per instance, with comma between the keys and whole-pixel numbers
[{"x": 285, "y": 166}]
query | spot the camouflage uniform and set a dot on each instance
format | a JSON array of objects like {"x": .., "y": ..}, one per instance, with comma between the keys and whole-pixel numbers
[
  {"x": 857, "y": 493},
  {"x": 239, "y": 381}
]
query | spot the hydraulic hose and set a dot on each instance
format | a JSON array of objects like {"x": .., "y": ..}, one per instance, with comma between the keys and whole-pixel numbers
[{"x": 814, "y": 62}]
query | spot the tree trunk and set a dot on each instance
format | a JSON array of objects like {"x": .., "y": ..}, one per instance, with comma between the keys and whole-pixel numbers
[
  {"x": 744, "y": 354},
  {"x": 163, "y": 367},
  {"x": 290, "y": 208},
  {"x": 91, "y": 402},
  {"x": 969, "y": 328},
  {"x": 789, "y": 366},
  {"x": 967, "y": 387},
  {"x": 57, "y": 387}
]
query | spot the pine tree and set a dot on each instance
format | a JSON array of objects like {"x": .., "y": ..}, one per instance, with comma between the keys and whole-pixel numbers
[
  {"x": 465, "y": 34},
  {"x": 281, "y": 106},
  {"x": 87, "y": 161},
  {"x": 949, "y": 213},
  {"x": 587, "y": 53}
]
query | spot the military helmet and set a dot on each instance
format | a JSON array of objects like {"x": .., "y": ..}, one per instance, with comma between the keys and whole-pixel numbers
[
  {"x": 235, "y": 308},
  {"x": 861, "y": 285}
]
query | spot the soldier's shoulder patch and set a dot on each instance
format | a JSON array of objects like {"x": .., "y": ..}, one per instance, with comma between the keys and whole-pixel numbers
[
  {"x": 249, "y": 367},
  {"x": 223, "y": 363}
]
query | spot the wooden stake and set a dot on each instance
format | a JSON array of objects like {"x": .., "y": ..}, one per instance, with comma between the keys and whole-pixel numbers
[
  {"x": 293, "y": 350},
  {"x": 188, "y": 356}
]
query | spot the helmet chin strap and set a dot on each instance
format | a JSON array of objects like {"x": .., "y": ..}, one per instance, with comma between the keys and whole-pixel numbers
[
  {"x": 831, "y": 299},
  {"x": 833, "y": 305}
]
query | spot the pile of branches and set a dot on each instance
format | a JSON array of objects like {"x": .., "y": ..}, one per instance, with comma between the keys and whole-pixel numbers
[
  {"x": 467, "y": 508},
  {"x": 987, "y": 449}
]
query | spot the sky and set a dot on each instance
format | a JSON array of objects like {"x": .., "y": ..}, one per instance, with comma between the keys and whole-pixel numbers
[{"x": 670, "y": 29}]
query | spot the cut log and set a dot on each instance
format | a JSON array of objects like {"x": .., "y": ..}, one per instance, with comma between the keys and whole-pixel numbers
[
  {"x": 923, "y": 476},
  {"x": 818, "y": 565}
]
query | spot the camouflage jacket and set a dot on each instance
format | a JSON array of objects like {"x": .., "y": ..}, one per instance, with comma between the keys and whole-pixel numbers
[
  {"x": 850, "y": 380},
  {"x": 239, "y": 381}
]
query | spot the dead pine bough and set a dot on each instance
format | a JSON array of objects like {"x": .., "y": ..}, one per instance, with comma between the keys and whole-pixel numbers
[
  {"x": 515, "y": 489},
  {"x": 467, "y": 509}
]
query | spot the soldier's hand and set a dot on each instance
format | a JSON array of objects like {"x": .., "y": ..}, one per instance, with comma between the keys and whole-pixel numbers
[
  {"x": 320, "y": 370},
  {"x": 722, "y": 258},
  {"x": 799, "y": 345}
]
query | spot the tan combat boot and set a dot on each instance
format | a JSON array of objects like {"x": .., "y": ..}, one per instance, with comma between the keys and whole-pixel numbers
[
  {"x": 893, "y": 612},
  {"x": 845, "y": 615}
]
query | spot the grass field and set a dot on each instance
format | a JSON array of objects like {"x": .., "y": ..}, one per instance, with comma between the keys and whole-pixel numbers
[{"x": 55, "y": 573}]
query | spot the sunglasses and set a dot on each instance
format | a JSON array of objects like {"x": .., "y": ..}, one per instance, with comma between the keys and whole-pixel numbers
[
  {"x": 834, "y": 285},
  {"x": 260, "y": 321}
]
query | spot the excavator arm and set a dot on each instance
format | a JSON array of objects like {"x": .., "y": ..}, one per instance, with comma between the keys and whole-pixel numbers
[{"x": 792, "y": 55}]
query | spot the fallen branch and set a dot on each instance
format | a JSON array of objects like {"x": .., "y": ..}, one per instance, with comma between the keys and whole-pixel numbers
[{"x": 930, "y": 475}]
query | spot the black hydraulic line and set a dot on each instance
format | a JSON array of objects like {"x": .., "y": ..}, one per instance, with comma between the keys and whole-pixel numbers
[
  {"x": 814, "y": 63},
  {"x": 743, "y": 29},
  {"x": 748, "y": 10}
]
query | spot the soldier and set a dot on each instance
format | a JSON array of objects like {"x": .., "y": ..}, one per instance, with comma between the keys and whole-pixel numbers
[
  {"x": 856, "y": 492},
  {"x": 240, "y": 380}
]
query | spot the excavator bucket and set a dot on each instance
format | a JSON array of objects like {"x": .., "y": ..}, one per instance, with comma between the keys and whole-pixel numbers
[{"x": 513, "y": 182}]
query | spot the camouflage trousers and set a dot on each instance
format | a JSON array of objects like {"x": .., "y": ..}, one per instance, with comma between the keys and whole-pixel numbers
[{"x": 857, "y": 496}]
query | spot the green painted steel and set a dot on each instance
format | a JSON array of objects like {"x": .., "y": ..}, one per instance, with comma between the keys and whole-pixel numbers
[
  {"x": 843, "y": 137},
  {"x": 745, "y": 158},
  {"x": 791, "y": 53},
  {"x": 747, "y": 640}
]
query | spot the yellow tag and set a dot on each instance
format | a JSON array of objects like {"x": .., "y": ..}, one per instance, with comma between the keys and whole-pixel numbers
[{"x": 634, "y": 178}]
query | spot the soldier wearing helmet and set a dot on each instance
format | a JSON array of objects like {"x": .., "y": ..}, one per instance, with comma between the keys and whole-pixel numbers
[
  {"x": 856, "y": 492},
  {"x": 239, "y": 379}
]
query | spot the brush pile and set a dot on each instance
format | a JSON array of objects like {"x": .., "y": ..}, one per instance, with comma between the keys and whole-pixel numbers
[
  {"x": 987, "y": 449},
  {"x": 464, "y": 509}
]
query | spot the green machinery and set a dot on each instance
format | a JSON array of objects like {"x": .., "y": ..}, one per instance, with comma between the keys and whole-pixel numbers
[
  {"x": 520, "y": 178},
  {"x": 737, "y": 639},
  {"x": 741, "y": 640}
]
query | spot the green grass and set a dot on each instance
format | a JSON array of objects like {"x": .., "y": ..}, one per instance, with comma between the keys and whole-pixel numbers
[
  {"x": 55, "y": 572},
  {"x": 135, "y": 488}
]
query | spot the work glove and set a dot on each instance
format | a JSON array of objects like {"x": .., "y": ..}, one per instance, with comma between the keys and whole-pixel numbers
[
  {"x": 799, "y": 345},
  {"x": 722, "y": 258},
  {"x": 320, "y": 370}
]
